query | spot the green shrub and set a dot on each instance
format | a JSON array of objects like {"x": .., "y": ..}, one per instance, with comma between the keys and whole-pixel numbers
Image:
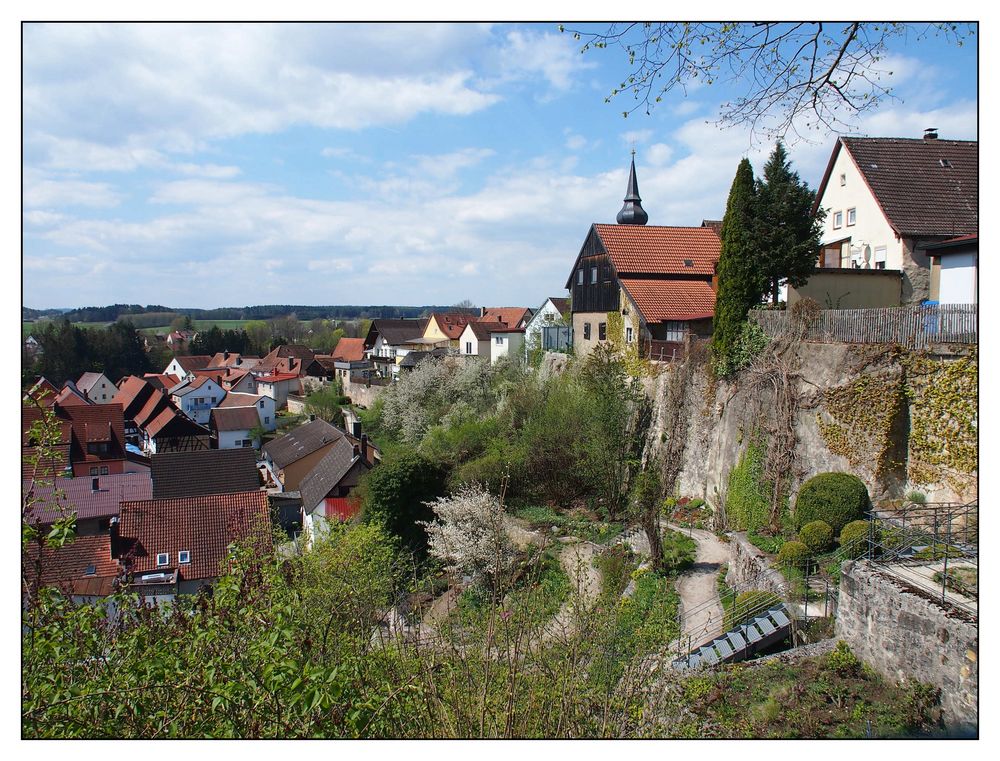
[
  {"x": 749, "y": 604},
  {"x": 843, "y": 661},
  {"x": 837, "y": 498},
  {"x": 854, "y": 538},
  {"x": 793, "y": 554},
  {"x": 817, "y": 536},
  {"x": 916, "y": 497}
]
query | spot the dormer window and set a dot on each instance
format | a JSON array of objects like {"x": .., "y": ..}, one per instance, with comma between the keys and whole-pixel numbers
[
  {"x": 162, "y": 559},
  {"x": 184, "y": 556}
]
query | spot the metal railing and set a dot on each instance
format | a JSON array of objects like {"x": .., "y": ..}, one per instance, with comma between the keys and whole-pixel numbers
[
  {"x": 914, "y": 327},
  {"x": 661, "y": 351}
]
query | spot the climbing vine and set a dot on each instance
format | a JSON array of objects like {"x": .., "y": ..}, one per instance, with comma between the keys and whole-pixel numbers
[
  {"x": 863, "y": 413},
  {"x": 944, "y": 424},
  {"x": 635, "y": 365},
  {"x": 747, "y": 496}
]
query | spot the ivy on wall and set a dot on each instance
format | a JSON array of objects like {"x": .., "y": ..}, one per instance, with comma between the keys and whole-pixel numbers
[
  {"x": 748, "y": 505},
  {"x": 863, "y": 412},
  {"x": 628, "y": 351},
  {"x": 944, "y": 423}
]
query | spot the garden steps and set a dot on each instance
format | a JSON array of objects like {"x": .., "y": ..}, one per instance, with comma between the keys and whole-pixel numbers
[{"x": 762, "y": 631}]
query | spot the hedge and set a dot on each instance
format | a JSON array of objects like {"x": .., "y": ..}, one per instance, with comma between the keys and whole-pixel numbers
[
  {"x": 817, "y": 536},
  {"x": 836, "y": 498},
  {"x": 854, "y": 537}
]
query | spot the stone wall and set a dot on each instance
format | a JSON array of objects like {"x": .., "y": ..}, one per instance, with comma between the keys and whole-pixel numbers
[
  {"x": 751, "y": 568},
  {"x": 362, "y": 394},
  {"x": 905, "y": 635}
]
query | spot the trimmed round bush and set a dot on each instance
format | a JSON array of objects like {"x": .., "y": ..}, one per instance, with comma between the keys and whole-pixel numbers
[
  {"x": 836, "y": 498},
  {"x": 854, "y": 538},
  {"x": 817, "y": 536},
  {"x": 793, "y": 554},
  {"x": 749, "y": 604}
]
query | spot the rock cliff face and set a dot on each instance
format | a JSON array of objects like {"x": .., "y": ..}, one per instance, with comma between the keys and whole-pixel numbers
[{"x": 846, "y": 407}]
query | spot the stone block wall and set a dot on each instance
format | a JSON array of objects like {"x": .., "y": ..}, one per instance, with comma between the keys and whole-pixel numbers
[
  {"x": 751, "y": 568},
  {"x": 362, "y": 394},
  {"x": 905, "y": 635}
]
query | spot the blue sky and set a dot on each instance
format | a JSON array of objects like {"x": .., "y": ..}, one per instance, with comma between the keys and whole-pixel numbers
[{"x": 222, "y": 165}]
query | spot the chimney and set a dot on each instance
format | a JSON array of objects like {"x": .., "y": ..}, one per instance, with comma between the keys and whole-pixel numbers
[
  {"x": 312, "y": 418},
  {"x": 364, "y": 447},
  {"x": 930, "y": 133},
  {"x": 95, "y": 484},
  {"x": 356, "y": 429},
  {"x": 482, "y": 311},
  {"x": 357, "y": 450},
  {"x": 225, "y": 354}
]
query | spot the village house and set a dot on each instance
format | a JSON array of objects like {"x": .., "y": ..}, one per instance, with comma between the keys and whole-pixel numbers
[
  {"x": 178, "y": 340},
  {"x": 231, "y": 427},
  {"x": 554, "y": 315},
  {"x": 42, "y": 392},
  {"x": 91, "y": 440},
  {"x": 262, "y": 404},
  {"x": 83, "y": 569},
  {"x": 161, "y": 381},
  {"x": 889, "y": 203},
  {"x": 326, "y": 490},
  {"x": 153, "y": 423},
  {"x": 505, "y": 341},
  {"x": 182, "y": 366},
  {"x": 196, "y": 397},
  {"x": 180, "y": 545},
  {"x": 444, "y": 330},
  {"x": 388, "y": 341},
  {"x": 660, "y": 280},
  {"x": 97, "y": 387},
  {"x": 475, "y": 340},
  {"x": 69, "y": 395},
  {"x": 291, "y": 457},
  {"x": 348, "y": 357}
]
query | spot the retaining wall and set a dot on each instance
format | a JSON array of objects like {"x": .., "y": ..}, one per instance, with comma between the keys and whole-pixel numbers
[
  {"x": 906, "y": 635},
  {"x": 751, "y": 568}
]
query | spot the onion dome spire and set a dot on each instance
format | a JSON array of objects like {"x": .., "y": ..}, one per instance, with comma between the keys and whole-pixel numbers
[{"x": 632, "y": 212}]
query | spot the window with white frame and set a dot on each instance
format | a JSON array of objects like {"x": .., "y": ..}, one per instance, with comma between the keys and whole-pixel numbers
[
  {"x": 852, "y": 217},
  {"x": 162, "y": 559},
  {"x": 593, "y": 275},
  {"x": 838, "y": 220},
  {"x": 880, "y": 257},
  {"x": 674, "y": 330},
  {"x": 579, "y": 276},
  {"x": 184, "y": 556}
]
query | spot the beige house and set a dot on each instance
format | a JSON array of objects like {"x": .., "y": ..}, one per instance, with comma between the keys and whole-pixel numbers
[{"x": 888, "y": 199}]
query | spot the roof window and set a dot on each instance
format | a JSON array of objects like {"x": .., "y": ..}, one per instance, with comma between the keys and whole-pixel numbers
[
  {"x": 91, "y": 570},
  {"x": 688, "y": 263},
  {"x": 184, "y": 556},
  {"x": 162, "y": 559},
  {"x": 945, "y": 163}
]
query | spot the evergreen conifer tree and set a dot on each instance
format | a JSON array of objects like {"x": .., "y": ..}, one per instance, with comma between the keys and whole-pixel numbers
[
  {"x": 788, "y": 234},
  {"x": 741, "y": 281}
]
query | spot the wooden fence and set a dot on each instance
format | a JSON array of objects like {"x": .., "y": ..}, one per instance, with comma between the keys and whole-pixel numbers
[{"x": 913, "y": 327}]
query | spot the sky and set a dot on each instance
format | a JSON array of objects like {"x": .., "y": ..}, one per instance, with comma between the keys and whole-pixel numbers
[{"x": 208, "y": 165}]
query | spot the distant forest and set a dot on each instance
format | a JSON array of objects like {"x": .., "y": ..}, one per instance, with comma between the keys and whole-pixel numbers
[{"x": 265, "y": 312}]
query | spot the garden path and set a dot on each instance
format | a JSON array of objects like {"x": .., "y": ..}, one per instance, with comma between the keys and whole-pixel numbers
[{"x": 701, "y": 610}]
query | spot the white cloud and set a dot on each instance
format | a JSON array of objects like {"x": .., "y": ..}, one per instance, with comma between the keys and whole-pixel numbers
[
  {"x": 636, "y": 136},
  {"x": 41, "y": 191},
  {"x": 658, "y": 154},
  {"x": 576, "y": 142},
  {"x": 546, "y": 55}
]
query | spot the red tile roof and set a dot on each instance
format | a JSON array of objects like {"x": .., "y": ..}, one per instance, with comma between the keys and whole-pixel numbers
[
  {"x": 480, "y": 330},
  {"x": 659, "y": 300},
  {"x": 192, "y": 362},
  {"x": 239, "y": 399},
  {"x": 513, "y": 316},
  {"x": 349, "y": 350},
  {"x": 452, "y": 324},
  {"x": 66, "y": 567},
  {"x": 919, "y": 196},
  {"x": 204, "y": 526},
  {"x": 68, "y": 397},
  {"x": 660, "y": 250},
  {"x": 43, "y": 391}
]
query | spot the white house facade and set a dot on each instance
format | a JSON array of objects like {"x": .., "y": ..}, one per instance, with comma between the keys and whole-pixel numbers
[
  {"x": 196, "y": 398},
  {"x": 509, "y": 341}
]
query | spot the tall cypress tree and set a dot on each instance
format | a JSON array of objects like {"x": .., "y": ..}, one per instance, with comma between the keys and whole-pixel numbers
[
  {"x": 789, "y": 235},
  {"x": 741, "y": 282}
]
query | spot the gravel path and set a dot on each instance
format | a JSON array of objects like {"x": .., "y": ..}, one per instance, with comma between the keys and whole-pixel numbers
[{"x": 701, "y": 610}]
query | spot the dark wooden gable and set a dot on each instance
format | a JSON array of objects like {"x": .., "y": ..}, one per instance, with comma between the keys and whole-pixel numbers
[{"x": 601, "y": 296}]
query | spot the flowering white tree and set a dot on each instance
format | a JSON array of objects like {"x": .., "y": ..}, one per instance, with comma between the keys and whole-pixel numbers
[{"x": 470, "y": 534}]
